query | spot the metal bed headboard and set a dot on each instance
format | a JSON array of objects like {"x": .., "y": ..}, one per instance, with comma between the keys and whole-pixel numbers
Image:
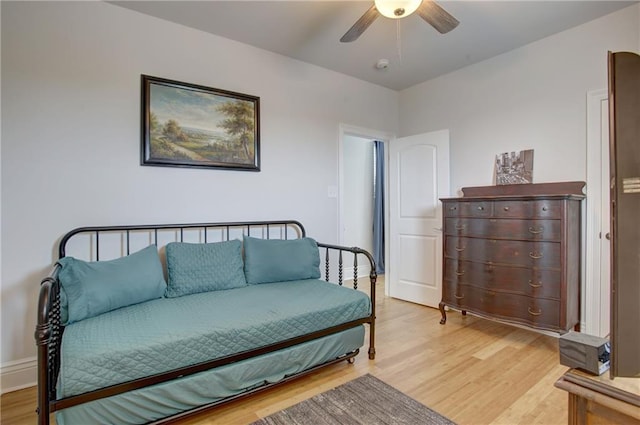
[{"x": 287, "y": 229}]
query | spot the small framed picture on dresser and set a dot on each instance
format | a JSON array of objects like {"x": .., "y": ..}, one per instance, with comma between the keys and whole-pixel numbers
[{"x": 514, "y": 167}]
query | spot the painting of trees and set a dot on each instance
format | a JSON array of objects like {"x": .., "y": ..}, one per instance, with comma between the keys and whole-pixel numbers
[
  {"x": 195, "y": 126},
  {"x": 239, "y": 124}
]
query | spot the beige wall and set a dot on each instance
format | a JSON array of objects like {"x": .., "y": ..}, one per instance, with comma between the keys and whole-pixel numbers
[
  {"x": 71, "y": 137},
  {"x": 533, "y": 97}
]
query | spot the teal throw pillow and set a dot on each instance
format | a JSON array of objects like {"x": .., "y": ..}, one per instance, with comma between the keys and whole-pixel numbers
[
  {"x": 202, "y": 267},
  {"x": 88, "y": 289},
  {"x": 276, "y": 260}
]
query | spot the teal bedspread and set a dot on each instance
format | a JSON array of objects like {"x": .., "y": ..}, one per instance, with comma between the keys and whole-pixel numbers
[
  {"x": 162, "y": 400},
  {"x": 166, "y": 334}
]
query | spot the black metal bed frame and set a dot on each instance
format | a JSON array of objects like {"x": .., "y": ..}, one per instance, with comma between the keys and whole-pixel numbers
[{"x": 49, "y": 330}]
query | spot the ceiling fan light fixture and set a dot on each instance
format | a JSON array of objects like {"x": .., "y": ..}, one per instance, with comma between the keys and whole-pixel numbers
[{"x": 396, "y": 9}]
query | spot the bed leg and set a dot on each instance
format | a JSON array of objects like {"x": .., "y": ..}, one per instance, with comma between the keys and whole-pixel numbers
[
  {"x": 43, "y": 333},
  {"x": 43, "y": 380},
  {"x": 372, "y": 339},
  {"x": 372, "y": 353},
  {"x": 373, "y": 277}
]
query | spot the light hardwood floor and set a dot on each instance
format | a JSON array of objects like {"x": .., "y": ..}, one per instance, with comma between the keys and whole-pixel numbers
[{"x": 472, "y": 370}]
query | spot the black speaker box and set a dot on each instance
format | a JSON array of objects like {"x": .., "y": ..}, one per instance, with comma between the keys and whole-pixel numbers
[{"x": 587, "y": 352}]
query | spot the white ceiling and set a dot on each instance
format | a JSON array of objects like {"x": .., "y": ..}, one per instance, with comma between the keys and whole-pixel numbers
[{"x": 310, "y": 31}]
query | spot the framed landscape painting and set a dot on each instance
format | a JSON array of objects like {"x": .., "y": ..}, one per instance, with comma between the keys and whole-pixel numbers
[{"x": 186, "y": 125}]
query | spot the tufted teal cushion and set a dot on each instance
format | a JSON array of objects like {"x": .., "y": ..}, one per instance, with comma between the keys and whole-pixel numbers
[
  {"x": 92, "y": 288},
  {"x": 202, "y": 267},
  {"x": 275, "y": 260}
]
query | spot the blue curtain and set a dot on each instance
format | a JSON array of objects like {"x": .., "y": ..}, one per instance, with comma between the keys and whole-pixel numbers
[{"x": 378, "y": 206}]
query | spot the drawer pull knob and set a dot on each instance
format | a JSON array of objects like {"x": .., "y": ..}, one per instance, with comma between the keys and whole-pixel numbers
[
  {"x": 506, "y": 208},
  {"x": 458, "y": 297},
  {"x": 452, "y": 208},
  {"x": 534, "y": 313},
  {"x": 460, "y": 248},
  {"x": 480, "y": 208},
  {"x": 460, "y": 226},
  {"x": 535, "y": 255},
  {"x": 545, "y": 208},
  {"x": 536, "y": 231},
  {"x": 535, "y": 285},
  {"x": 459, "y": 272}
]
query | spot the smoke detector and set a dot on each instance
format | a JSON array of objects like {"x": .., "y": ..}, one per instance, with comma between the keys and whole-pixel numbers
[{"x": 382, "y": 64}]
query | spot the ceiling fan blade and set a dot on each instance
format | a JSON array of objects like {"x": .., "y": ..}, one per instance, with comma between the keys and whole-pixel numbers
[
  {"x": 439, "y": 18},
  {"x": 361, "y": 24}
]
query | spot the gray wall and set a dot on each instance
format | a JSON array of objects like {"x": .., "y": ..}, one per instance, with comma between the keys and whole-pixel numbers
[
  {"x": 71, "y": 135},
  {"x": 534, "y": 97}
]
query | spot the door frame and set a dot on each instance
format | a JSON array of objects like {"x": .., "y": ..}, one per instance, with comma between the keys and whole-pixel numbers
[
  {"x": 593, "y": 285},
  {"x": 371, "y": 134}
]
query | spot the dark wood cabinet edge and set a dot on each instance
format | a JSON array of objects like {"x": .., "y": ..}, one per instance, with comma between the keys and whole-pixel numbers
[
  {"x": 506, "y": 265},
  {"x": 574, "y": 189},
  {"x": 502, "y": 291},
  {"x": 503, "y": 319},
  {"x": 483, "y": 198},
  {"x": 594, "y": 385}
]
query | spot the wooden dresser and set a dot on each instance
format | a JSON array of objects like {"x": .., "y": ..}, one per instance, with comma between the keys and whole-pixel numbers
[{"x": 512, "y": 253}]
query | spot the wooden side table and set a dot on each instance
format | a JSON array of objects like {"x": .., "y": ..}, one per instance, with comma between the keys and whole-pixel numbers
[{"x": 601, "y": 400}]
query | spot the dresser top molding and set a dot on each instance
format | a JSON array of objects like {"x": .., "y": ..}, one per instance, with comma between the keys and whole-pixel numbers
[{"x": 572, "y": 190}]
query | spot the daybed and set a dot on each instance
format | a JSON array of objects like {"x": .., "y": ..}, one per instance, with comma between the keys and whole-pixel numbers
[{"x": 151, "y": 323}]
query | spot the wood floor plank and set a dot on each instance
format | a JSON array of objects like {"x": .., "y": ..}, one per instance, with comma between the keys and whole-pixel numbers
[
  {"x": 529, "y": 405},
  {"x": 472, "y": 370}
]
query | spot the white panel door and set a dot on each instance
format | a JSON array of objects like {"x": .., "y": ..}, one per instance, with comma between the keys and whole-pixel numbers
[{"x": 418, "y": 177}]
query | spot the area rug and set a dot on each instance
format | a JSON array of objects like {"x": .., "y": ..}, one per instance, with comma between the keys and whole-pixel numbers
[{"x": 365, "y": 400}]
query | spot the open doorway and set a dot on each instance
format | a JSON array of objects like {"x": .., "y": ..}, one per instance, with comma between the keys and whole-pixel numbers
[{"x": 359, "y": 169}]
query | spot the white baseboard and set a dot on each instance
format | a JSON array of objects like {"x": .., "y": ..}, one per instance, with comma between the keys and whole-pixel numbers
[{"x": 18, "y": 374}]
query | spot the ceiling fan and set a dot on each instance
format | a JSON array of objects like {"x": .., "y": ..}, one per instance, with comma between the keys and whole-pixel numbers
[{"x": 428, "y": 10}]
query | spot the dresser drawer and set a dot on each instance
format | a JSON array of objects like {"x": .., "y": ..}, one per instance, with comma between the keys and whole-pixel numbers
[
  {"x": 537, "y": 312},
  {"x": 451, "y": 209},
  {"x": 468, "y": 209},
  {"x": 504, "y": 229},
  {"x": 541, "y": 283},
  {"x": 528, "y": 209},
  {"x": 506, "y": 252},
  {"x": 512, "y": 209},
  {"x": 539, "y": 208}
]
